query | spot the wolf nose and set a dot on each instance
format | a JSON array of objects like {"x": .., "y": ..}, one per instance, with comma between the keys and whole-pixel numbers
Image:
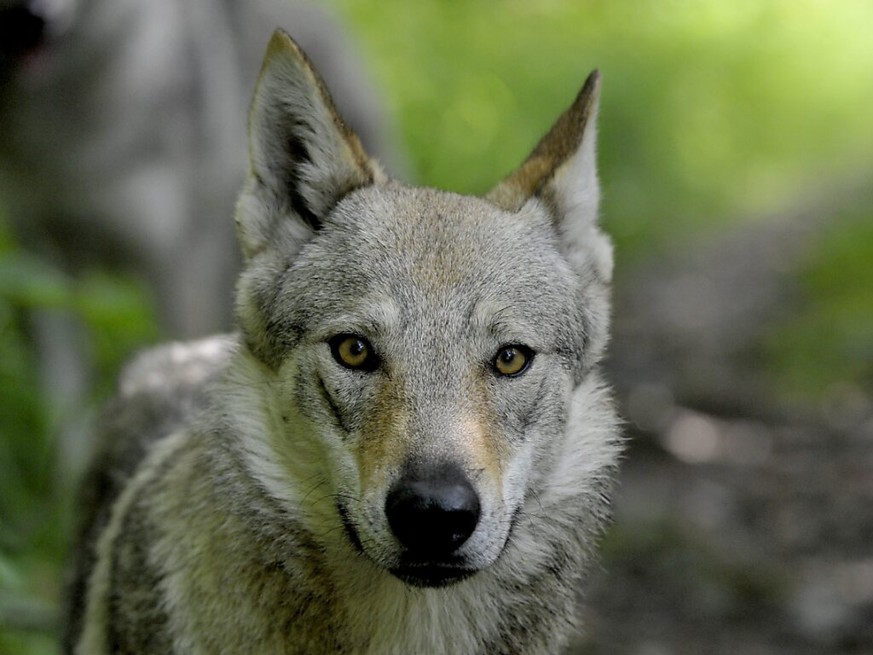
[{"x": 433, "y": 513}]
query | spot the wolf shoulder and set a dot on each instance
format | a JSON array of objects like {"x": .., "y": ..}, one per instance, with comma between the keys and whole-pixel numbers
[
  {"x": 160, "y": 390},
  {"x": 177, "y": 535},
  {"x": 147, "y": 422}
]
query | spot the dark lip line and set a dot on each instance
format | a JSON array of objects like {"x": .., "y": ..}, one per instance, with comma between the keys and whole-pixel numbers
[
  {"x": 451, "y": 562},
  {"x": 406, "y": 565},
  {"x": 431, "y": 575},
  {"x": 350, "y": 531}
]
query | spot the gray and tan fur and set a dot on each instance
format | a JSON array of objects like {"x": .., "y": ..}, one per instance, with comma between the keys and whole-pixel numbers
[{"x": 407, "y": 449}]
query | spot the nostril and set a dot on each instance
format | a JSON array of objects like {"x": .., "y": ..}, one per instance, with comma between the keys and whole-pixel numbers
[
  {"x": 432, "y": 516},
  {"x": 21, "y": 30}
]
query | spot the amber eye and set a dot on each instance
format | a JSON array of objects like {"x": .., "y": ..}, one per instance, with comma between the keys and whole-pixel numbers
[
  {"x": 353, "y": 351},
  {"x": 512, "y": 360}
]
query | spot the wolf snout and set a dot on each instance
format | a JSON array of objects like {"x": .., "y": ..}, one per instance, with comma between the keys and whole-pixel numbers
[{"x": 432, "y": 512}]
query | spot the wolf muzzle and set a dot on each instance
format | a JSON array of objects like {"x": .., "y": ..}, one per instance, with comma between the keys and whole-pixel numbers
[{"x": 432, "y": 512}]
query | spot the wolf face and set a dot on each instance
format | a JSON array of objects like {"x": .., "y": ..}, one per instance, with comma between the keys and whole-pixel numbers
[{"x": 422, "y": 347}]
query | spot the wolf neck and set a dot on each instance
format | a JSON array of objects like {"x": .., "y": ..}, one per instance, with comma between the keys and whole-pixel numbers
[{"x": 372, "y": 611}]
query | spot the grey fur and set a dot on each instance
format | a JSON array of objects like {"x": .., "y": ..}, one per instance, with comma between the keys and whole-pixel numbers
[{"x": 255, "y": 522}]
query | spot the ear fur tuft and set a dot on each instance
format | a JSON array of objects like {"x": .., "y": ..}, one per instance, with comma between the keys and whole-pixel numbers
[
  {"x": 303, "y": 158},
  {"x": 561, "y": 173}
]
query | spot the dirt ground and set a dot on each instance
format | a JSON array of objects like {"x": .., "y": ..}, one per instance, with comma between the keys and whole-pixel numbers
[
  {"x": 743, "y": 525},
  {"x": 763, "y": 548}
]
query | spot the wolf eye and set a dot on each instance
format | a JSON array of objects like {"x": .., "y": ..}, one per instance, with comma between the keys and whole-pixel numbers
[
  {"x": 353, "y": 352},
  {"x": 512, "y": 360}
]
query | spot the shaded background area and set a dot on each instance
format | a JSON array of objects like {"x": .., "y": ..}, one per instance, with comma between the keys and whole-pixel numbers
[{"x": 736, "y": 153}]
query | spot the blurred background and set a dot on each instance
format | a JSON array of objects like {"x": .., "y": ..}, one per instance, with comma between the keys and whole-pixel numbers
[{"x": 736, "y": 157}]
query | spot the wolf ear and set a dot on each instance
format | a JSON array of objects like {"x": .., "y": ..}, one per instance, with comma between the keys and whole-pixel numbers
[
  {"x": 303, "y": 158},
  {"x": 561, "y": 172}
]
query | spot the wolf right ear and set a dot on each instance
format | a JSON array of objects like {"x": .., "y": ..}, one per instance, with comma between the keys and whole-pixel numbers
[
  {"x": 561, "y": 173},
  {"x": 303, "y": 158}
]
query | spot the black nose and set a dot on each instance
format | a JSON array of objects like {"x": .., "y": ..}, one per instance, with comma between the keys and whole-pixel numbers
[
  {"x": 432, "y": 512},
  {"x": 21, "y": 30}
]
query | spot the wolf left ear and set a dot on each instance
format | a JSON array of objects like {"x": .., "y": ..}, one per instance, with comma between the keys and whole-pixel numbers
[
  {"x": 561, "y": 173},
  {"x": 303, "y": 158}
]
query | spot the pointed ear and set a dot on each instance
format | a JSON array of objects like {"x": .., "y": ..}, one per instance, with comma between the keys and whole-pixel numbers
[
  {"x": 561, "y": 173},
  {"x": 303, "y": 158}
]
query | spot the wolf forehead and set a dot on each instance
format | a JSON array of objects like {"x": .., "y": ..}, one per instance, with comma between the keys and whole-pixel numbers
[
  {"x": 437, "y": 241},
  {"x": 418, "y": 249}
]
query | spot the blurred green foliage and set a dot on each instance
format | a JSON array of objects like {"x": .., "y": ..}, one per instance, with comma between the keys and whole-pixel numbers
[
  {"x": 35, "y": 496},
  {"x": 712, "y": 112},
  {"x": 825, "y": 350}
]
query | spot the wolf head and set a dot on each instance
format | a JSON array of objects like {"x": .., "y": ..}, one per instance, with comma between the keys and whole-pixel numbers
[{"x": 423, "y": 346}]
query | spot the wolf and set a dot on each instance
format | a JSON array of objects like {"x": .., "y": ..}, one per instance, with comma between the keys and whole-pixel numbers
[{"x": 407, "y": 447}]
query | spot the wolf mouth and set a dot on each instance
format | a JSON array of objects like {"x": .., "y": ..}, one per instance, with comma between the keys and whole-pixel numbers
[
  {"x": 415, "y": 573},
  {"x": 431, "y": 574}
]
